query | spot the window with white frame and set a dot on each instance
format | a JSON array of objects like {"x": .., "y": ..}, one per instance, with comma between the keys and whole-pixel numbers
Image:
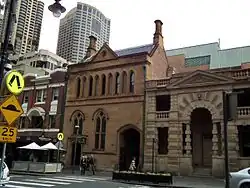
[
  {"x": 55, "y": 94},
  {"x": 52, "y": 121},
  {"x": 22, "y": 122},
  {"x": 44, "y": 95},
  {"x": 25, "y": 97},
  {"x": 41, "y": 95}
]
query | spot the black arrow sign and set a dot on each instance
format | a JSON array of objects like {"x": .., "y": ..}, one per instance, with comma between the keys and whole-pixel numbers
[
  {"x": 11, "y": 107},
  {"x": 15, "y": 77}
]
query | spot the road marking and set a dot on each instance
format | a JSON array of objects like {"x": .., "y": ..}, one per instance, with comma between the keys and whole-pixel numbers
[
  {"x": 57, "y": 179},
  {"x": 94, "y": 178},
  {"x": 78, "y": 179},
  {"x": 44, "y": 181},
  {"x": 30, "y": 183},
  {"x": 15, "y": 176},
  {"x": 16, "y": 186}
]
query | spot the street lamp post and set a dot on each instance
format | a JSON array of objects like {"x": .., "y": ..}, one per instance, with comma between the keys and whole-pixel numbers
[
  {"x": 5, "y": 63},
  {"x": 154, "y": 141},
  {"x": 76, "y": 137},
  {"x": 57, "y": 9},
  {"x": 10, "y": 7}
]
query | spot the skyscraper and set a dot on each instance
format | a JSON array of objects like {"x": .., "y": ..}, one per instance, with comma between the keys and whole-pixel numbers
[
  {"x": 26, "y": 29},
  {"x": 76, "y": 27},
  {"x": 1, "y": 22}
]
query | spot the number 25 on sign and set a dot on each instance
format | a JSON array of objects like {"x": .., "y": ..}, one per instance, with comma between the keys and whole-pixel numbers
[{"x": 8, "y": 134}]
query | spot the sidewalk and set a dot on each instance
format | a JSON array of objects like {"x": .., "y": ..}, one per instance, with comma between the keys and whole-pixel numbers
[
  {"x": 76, "y": 171},
  {"x": 185, "y": 182},
  {"x": 178, "y": 181},
  {"x": 195, "y": 182}
]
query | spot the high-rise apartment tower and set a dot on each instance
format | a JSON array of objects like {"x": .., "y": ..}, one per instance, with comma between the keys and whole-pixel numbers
[
  {"x": 26, "y": 29},
  {"x": 75, "y": 29}
]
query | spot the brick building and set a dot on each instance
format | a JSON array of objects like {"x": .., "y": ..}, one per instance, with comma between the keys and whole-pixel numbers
[
  {"x": 43, "y": 103},
  {"x": 185, "y": 120},
  {"x": 104, "y": 113}
]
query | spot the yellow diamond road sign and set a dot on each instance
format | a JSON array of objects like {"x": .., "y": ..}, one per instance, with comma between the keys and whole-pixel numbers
[
  {"x": 60, "y": 136},
  {"x": 15, "y": 82},
  {"x": 11, "y": 109}
]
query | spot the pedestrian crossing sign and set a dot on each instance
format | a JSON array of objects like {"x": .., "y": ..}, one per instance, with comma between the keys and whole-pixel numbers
[{"x": 15, "y": 82}]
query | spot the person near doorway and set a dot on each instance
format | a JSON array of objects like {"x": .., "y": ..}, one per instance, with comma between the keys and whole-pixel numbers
[
  {"x": 91, "y": 162},
  {"x": 83, "y": 164},
  {"x": 132, "y": 166}
]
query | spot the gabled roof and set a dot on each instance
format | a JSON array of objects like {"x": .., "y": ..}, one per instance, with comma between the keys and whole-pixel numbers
[
  {"x": 124, "y": 52},
  {"x": 135, "y": 50}
]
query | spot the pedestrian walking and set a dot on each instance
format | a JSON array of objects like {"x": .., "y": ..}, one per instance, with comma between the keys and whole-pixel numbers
[
  {"x": 83, "y": 164},
  {"x": 132, "y": 166}
]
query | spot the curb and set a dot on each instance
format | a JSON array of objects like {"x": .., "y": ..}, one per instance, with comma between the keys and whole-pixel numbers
[{"x": 151, "y": 184}]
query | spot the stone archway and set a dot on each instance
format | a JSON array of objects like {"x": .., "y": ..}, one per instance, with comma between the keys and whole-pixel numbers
[
  {"x": 209, "y": 100},
  {"x": 201, "y": 137},
  {"x": 129, "y": 146}
]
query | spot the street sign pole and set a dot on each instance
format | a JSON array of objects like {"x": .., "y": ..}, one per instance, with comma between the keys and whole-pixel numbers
[
  {"x": 3, "y": 62},
  {"x": 60, "y": 137},
  {"x": 3, "y": 156},
  {"x": 58, "y": 151}
]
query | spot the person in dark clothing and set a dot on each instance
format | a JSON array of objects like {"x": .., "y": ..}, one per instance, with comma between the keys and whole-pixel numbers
[
  {"x": 91, "y": 162},
  {"x": 83, "y": 164}
]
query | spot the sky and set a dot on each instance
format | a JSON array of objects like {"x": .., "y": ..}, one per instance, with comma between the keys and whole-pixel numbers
[{"x": 185, "y": 22}]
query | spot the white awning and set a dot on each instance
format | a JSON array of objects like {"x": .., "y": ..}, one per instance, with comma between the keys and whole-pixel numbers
[
  {"x": 49, "y": 146},
  {"x": 32, "y": 146}
]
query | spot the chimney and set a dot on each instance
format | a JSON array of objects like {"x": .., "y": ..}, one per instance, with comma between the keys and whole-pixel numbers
[
  {"x": 92, "y": 47},
  {"x": 158, "y": 38}
]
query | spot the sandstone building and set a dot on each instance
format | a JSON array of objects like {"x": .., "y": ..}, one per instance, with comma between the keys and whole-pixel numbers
[
  {"x": 185, "y": 122},
  {"x": 105, "y": 105}
]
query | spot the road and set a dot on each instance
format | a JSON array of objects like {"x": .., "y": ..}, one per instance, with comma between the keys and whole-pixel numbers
[{"x": 56, "y": 181}]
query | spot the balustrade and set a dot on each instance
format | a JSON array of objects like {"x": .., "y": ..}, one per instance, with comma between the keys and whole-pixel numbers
[
  {"x": 162, "y": 82},
  {"x": 243, "y": 111},
  {"x": 241, "y": 73},
  {"x": 162, "y": 115}
]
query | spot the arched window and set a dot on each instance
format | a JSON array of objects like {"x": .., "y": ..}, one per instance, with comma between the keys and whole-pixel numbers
[
  {"x": 110, "y": 82},
  {"x": 84, "y": 86},
  {"x": 96, "y": 86},
  {"x": 77, "y": 123},
  {"x": 78, "y": 87},
  {"x": 132, "y": 82},
  {"x": 90, "y": 85},
  {"x": 100, "y": 131},
  {"x": 103, "y": 84},
  {"x": 124, "y": 82},
  {"x": 117, "y": 83}
]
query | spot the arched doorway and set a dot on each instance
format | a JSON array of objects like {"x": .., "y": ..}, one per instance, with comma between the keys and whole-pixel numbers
[
  {"x": 36, "y": 117},
  {"x": 77, "y": 122},
  {"x": 201, "y": 132},
  {"x": 129, "y": 148}
]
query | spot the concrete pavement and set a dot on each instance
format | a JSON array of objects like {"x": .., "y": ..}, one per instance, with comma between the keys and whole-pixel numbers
[{"x": 101, "y": 181}]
